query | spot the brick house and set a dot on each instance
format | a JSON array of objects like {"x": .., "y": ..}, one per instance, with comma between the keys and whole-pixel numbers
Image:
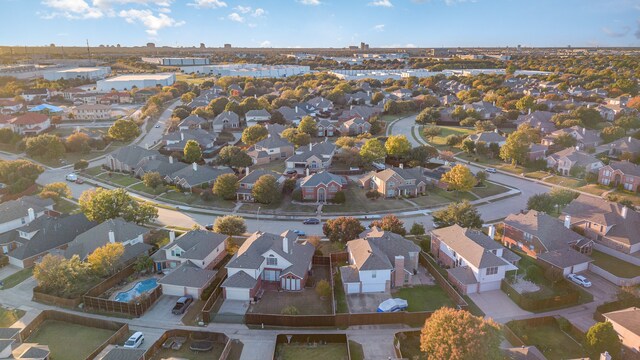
[
  {"x": 620, "y": 173},
  {"x": 396, "y": 181},
  {"x": 270, "y": 149},
  {"x": 321, "y": 186}
]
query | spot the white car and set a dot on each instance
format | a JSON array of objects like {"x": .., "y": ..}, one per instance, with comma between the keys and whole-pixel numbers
[
  {"x": 490, "y": 170},
  {"x": 134, "y": 341},
  {"x": 580, "y": 280},
  {"x": 72, "y": 177}
]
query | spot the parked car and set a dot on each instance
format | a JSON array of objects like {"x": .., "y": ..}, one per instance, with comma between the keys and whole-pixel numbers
[
  {"x": 299, "y": 233},
  {"x": 311, "y": 221},
  {"x": 72, "y": 177},
  {"x": 182, "y": 304},
  {"x": 290, "y": 172},
  {"x": 491, "y": 170},
  {"x": 134, "y": 341},
  {"x": 157, "y": 126},
  {"x": 393, "y": 305},
  {"x": 79, "y": 181},
  {"x": 209, "y": 227},
  {"x": 580, "y": 280}
]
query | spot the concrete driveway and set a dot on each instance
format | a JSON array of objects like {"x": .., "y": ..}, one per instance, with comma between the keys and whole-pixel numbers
[
  {"x": 602, "y": 290},
  {"x": 161, "y": 311},
  {"x": 366, "y": 303},
  {"x": 234, "y": 307},
  {"x": 497, "y": 305}
]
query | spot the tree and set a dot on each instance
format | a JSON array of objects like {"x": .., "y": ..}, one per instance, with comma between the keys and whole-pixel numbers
[
  {"x": 192, "y": 152},
  {"x": 562, "y": 197},
  {"x": 56, "y": 191},
  {"x": 589, "y": 117},
  {"x": 372, "y": 150},
  {"x": 81, "y": 165},
  {"x": 323, "y": 289},
  {"x": 78, "y": 142},
  {"x": 457, "y": 335},
  {"x": 486, "y": 125},
  {"x": 431, "y": 131},
  {"x": 346, "y": 142},
  {"x": 459, "y": 178},
  {"x": 602, "y": 337},
  {"x": 46, "y": 146},
  {"x": 427, "y": 116},
  {"x": 628, "y": 122},
  {"x": 541, "y": 202},
  {"x": 234, "y": 157},
  {"x": 152, "y": 179},
  {"x": 308, "y": 126},
  {"x": 462, "y": 213},
  {"x": 124, "y": 130},
  {"x": 101, "y": 204},
  {"x": 226, "y": 186},
  {"x": 377, "y": 97},
  {"x": 19, "y": 175},
  {"x": 417, "y": 229},
  {"x": 231, "y": 225},
  {"x": 253, "y": 134},
  {"x": 104, "y": 260},
  {"x": 612, "y": 133},
  {"x": 468, "y": 146},
  {"x": 390, "y": 223},
  {"x": 634, "y": 103},
  {"x": 525, "y": 103},
  {"x": 143, "y": 263},
  {"x": 339, "y": 197},
  {"x": 277, "y": 118},
  {"x": 342, "y": 229},
  {"x": 516, "y": 147},
  {"x": 482, "y": 176},
  {"x": 421, "y": 155},
  {"x": 265, "y": 190},
  {"x": 564, "y": 141},
  {"x": 60, "y": 277},
  {"x": 397, "y": 146}
]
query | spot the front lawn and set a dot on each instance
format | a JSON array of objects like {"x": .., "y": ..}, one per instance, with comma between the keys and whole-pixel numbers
[
  {"x": 141, "y": 187},
  {"x": 65, "y": 206},
  {"x": 94, "y": 171},
  {"x": 316, "y": 351},
  {"x": 357, "y": 201},
  {"x": 595, "y": 189},
  {"x": 550, "y": 339},
  {"x": 9, "y": 316},
  {"x": 514, "y": 169},
  {"x": 424, "y": 297},
  {"x": 187, "y": 198},
  {"x": 565, "y": 181},
  {"x": 441, "y": 140},
  {"x": 15, "y": 279},
  {"x": 69, "y": 341},
  {"x": 120, "y": 179},
  {"x": 614, "y": 265},
  {"x": 539, "y": 175},
  {"x": 489, "y": 189}
]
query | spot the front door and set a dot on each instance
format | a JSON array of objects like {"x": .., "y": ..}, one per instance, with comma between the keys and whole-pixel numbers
[{"x": 322, "y": 195}]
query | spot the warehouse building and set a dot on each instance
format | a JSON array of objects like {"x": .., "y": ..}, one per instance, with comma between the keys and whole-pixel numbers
[
  {"x": 249, "y": 70},
  {"x": 92, "y": 73},
  {"x": 187, "y": 61},
  {"x": 140, "y": 81}
]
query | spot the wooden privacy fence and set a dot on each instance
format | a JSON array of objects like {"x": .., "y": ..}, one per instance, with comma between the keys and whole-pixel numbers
[
  {"x": 135, "y": 308},
  {"x": 337, "y": 320},
  {"x": 194, "y": 335},
  {"x": 215, "y": 294},
  {"x": 526, "y": 302},
  {"x": 55, "y": 300}
]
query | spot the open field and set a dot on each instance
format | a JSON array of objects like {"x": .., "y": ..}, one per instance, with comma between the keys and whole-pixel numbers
[{"x": 441, "y": 140}]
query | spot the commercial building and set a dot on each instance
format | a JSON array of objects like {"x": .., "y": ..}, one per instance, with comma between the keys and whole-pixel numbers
[
  {"x": 91, "y": 73},
  {"x": 186, "y": 61},
  {"x": 249, "y": 70},
  {"x": 140, "y": 81}
]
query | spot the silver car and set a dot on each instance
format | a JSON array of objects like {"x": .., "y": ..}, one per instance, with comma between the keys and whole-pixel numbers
[{"x": 580, "y": 280}]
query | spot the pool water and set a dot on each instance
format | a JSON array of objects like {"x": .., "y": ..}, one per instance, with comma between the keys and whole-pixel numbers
[{"x": 138, "y": 289}]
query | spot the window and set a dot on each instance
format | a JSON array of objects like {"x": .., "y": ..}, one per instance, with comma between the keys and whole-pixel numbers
[
  {"x": 492, "y": 270},
  {"x": 527, "y": 236},
  {"x": 176, "y": 252},
  {"x": 272, "y": 260},
  {"x": 373, "y": 274}
]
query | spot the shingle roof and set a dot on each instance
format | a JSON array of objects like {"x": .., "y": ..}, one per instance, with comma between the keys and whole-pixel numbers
[
  {"x": 472, "y": 245},
  {"x": 256, "y": 174},
  {"x": 229, "y": 116},
  {"x": 85, "y": 243},
  {"x": 132, "y": 154},
  {"x": 563, "y": 258},
  {"x": 240, "y": 280},
  {"x": 9, "y": 333},
  {"x": 30, "y": 119},
  {"x": 272, "y": 142},
  {"x": 201, "y": 175},
  {"x": 628, "y": 318},
  {"x": 196, "y": 244},
  {"x": 488, "y": 137},
  {"x": 261, "y": 112},
  {"x": 188, "y": 275},
  {"x": 549, "y": 230},
  {"x": 628, "y": 168},
  {"x": 16, "y": 209},
  {"x": 576, "y": 156},
  {"x": 323, "y": 177},
  {"x": 463, "y": 274},
  {"x": 376, "y": 250}
]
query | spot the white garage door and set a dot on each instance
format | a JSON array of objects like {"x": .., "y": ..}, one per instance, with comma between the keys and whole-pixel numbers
[
  {"x": 580, "y": 267},
  {"x": 173, "y": 290},
  {"x": 237, "y": 294},
  {"x": 493, "y": 285},
  {"x": 353, "y": 288},
  {"x": 366, "y": 288}
]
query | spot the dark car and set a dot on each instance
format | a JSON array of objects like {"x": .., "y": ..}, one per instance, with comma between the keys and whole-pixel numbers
[
  {"x": 311, "y": 221},
  {"x": 182, "y": 304},
  {"x": 209, "y": 227}
]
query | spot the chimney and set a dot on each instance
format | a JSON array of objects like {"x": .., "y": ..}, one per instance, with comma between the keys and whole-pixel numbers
[
  {"x": 584, "y": 131},
  {"x": 170, "y": 159},
  {"x": 195, "y": 166},
  {"x": 307, "y": 171},
  {"x": 492, "y": 231},
  {"x": 529, "y": 111},
  {"x": 629, "y": 139},
  {"x": 296, "y": 109},
  {"x": 112, "y": 237},
  {"x": 623, "y": 212},
  {"x": 181, "y": 136},
  {"x": 401, "y": 166},
  {"x": 310, "y": 147},
  {"x": 172, "y": 236},
  {"x": 285, "y": 245},
  {"x": 567, "y": 221},
  {"x": 246, "y": 171},
  {"x": 496, "y": 131},
  {"x": 32, "y": 214},
  {"x": 399, "y": 271},
  {"x": 605, "y": 356}
]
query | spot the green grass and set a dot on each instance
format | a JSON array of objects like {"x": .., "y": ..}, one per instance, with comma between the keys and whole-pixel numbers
[
  {"x": 490, "y": 189},
  {"x": 614, "y": 265},
  {"x": 553, "y": 342},
  {"x": 355, "y": 350},
  {"x": 339, "y": 295},
  {"x": 517, "y": 169},
  {"x": 120, "y": 179},
  {"x": 537, "y": 175},
  {"x": 356, "y": 201},
  {"x": 141, "y": 187},
  {"x": 10, "y": 148},
  {"x": 277, "y": 166},
  {"x": 69, "y": 341},
  {"x": 297, "y": 351},
  {"x": 94, "y": 171},
  {"x": 565, "y": 181},
  {"x": 441, "y": 140},
  {"x": 186, "y": 353},
  {"x": 9, "y": 316},
  {"x": 410, "y": 345},
  {"x": 424, "y": 297},
  {"x": 65, "y": 206},
  {"x": 594, "y": 189},
  {"x": 15, "y": 279},
  {"x": 626, "y": 195},
  {"x": 187, "y": 198}
]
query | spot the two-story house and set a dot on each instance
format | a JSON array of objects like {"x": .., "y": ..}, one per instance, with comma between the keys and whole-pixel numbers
[
  {"x": 30, "y": 124},
  {"x": 192, "y": 122},
  {"x": 607, "y": 223},
  {"x": 325, "y": 128},
  {"x": 321, "y": 186},
  {"x": 620, "y": 173},
  {"x": 396, "y": 181},
  {"x": 253, "y": 117},
  {"x": 585, "y": 139},
  {"x": 538, "y": 120},
  {"x": 245, "y": 185},
  {"x": 314, "y": 157},
  {"x": 565, "y": 160},
  {"x": 227, "y": 120},
  {"x": 474, "y": 261},
  {"x": 195, "y": 175},
  {"x": 488, "y": 137},
  {"x": 378, "y": 261},
  {"x": 91, "y": 112},
  {"x": 624, "y": 145},
  {"x": 19, "y": 212},
  {"x": 268, "y": 261},
  {"x": 270, "y": 149},
  {"x": 355, "y": 126}
]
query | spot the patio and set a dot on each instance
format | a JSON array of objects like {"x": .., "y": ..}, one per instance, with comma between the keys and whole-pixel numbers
[{"x": 366, "y": 303}]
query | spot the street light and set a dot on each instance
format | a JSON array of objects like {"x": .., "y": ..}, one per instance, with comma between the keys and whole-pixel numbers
[{"x": 258, "y": 213}]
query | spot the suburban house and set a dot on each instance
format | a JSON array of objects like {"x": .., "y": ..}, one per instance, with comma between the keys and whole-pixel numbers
[
  {"x": 537, "y": 152},
  {"x": 188, "y": 262},
  {"x": 565, "y": 160},
  {"x": 245, "y": 185},
  {"x": 355, "y": 126},
  {"x": 537, "y": 120},
  {"x": 195, "y": 175},
  {"x": 177, "y": 140},
  {"x": 130, "y": 235},
  {"x": 270, "y": 149},
  {"x": 378, "y": 261},
  {"x": 485, "y": 109},
  {"x": 36, "y": 239},
  {"x": 235, "y": 90},
  {"x": 226, "y": 120},
  {"x": 585, "y": 139},
  {"x": 607, "y": 223},
  {"x": 361, "y": 112},
  {"x": 292, "y": 115},
  {"x": 116, "y": 97},
  {"x": 268, "y": 261},
  {"x": 30, "y": 124},
  {"x": 91, "y": 112},
  {"x": 129, "y": 158},
  {"x": 321, "y": 186},
  {"x": 325, "y": 128},
  {"x": 115, "y": 352},
  {"x": 32, "y": 94},
  {"x": 165, "y": 166},
  {"x": 620, "y": 173},
  {"x": 548, "y": 239},
  {"x": 626, "y": 144},
  {"x": 396, "y": 181},
  {"x": 523, "y": 353},
  {"x": 321, "y": 104},
  {"x": 488, "y": 137},
  {"x": 474, "y": 261},
  {"x": 626, "y": 323},
  {"x": 19, "y": 212},
  {"x": 314, "y": 157},
  {"x": 9, "y": 106},
  {"x": 257, "y": 116},
  {"x": 192, "y": 122}
]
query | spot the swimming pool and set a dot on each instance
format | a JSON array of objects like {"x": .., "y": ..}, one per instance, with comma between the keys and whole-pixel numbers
[{"x": 138, "y": 289}]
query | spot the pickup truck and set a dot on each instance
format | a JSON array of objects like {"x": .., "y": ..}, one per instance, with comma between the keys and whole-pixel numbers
[{"x": 182, "y": 304}]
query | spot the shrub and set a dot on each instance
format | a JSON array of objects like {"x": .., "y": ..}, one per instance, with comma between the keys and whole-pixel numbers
[
  {"x": 290, "y": 310},
  {"x": 296, "y": 195},
  {"x": 453, "y": 140},
  {"x": 323, "y": 289},
  {"x": 417, "y": 229},
  {"x": 372, "y": 194},
  {"x": 339, "y": 197}
]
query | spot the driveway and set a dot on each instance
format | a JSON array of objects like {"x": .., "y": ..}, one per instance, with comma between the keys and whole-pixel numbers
[
  {"x": 497, "y": 305},
  {"x": 602, "y": 290},
  {"x": 161, "y": 311},
  {"x": 231, "y": 311},
  {"x": 366, "y": 303}
]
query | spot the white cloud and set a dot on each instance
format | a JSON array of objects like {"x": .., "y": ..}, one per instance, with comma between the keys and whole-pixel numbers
[
  {"x": 72, "y": 9},
  {"x": 243, "y": 9},
  {"x": 265, "y": 43},
  {"x": 310, "y": 2},
  {"x": 164, "y": 10},
  {"x": 259, "y": 12},
  {"x": 210, "y": 4},
  {"x": 235, "y": 17},
  {"x": 382, "y": 3},
  {"x": 252, "y": 25},
  {"x": 152, "y": 23},
  {"x": 379, "y": 28}
]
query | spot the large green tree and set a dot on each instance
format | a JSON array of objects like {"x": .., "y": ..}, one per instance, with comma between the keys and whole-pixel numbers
[
  {"x": 45, "y": 146},
  {"x": 459, "y": 178},
  {"x": 234, "y": 157},
  {"x": 124, "y": 130},
  {"x": 602, "y": 337},
  {"x": 265, "y": 190},
  {"x": 372, "y": 150},
  {"x": 461, "y": 213},
  {"x": 253, "y": 134},
  {"x": 231, "y": 225},
  {"x": 397, "y": 146},
  {"x": 19, "y": 175},
  {"x": 192, "y": 152},
  {"x": 391, "y": 223},
  {"x": 226, "y": 186},
  {"x": 105, "y": 259},
  {"x": 308, "y": 126},
  {"x": 101, "y": 204},
  {"x": 342, "y": 229},
  {"x": 152, "y": 179}
]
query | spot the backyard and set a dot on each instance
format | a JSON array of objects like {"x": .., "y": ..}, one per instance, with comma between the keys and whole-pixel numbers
[
  {"x": 614, "y": 265},
  {"x": 9, "y": 316},
  {"x": 186, "y": 353},
  {"x": 550, "y": 339},
  {"x": 424, "y": 297},
  {"x": 316, "y": 351},
  {"x": 58, "y": 335}
]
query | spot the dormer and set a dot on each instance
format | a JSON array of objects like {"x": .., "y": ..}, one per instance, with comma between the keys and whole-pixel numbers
[{"x": 27, "y": 235}]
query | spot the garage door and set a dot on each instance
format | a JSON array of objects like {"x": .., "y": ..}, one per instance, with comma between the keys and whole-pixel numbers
[
  {"x": 173, "y": 290},
  {"x": 372, "y": 288},
  {"x": 237, "y": 294},
  {"x": 580, "y": 267},
  {"x": 493, "y": 285},
  {"x": 353, "y": 288}
]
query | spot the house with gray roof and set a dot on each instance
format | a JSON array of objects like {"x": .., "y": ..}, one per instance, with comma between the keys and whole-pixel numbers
[
  {"x": 115, "y": 352},
  {"x": 292, "y": 115},
  {"x": 326, "y": 128},
  {"x": 585, "y": 138},
  {"x": 626, "y": 144},
  {"x": 488, "y": 137},
  {"x": 177, "y": 140},
  {"x": 194, "y": 175},
  {"x": 355, "y": 126},
  {"x": 187, "y": 279},
  {"x": 314, "y": 157},
  {"x": 128, "y": 158},
  {"x": 537, "y": 120},
  {"x": 378, "y": 261},
  {"x": 398, "y": 181},
  {"x": 321, "y": 104},
  {"x": 486, "y": 109},
  {"x": 163, "y": 165},
  {"x": 270, "y": 149},
  {"x": 321, "y": 186},
  {"x": 565, "y": 160},
  {"x": 192, "y": 122},
  {"x": 19, "y": 212},
  {"x": 268, "y": 260},
  {"x": 475, "y": 262},
  {"x": 245, "y": 185},
  {"x": 36, "y": 239},
  {"x": 227, "y": 120},
  {"x": 253, "y": 117}
]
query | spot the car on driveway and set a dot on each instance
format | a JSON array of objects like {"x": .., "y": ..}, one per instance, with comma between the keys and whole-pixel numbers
[
  {"x": 134, "y": 341},
  {"x": 182, "y": 304},
  {"x": 311, "y": 221},
  {"x": 580, "y": 280},
  {"x": 209, "y": 227},
  {"x": 299, "y": 233}
]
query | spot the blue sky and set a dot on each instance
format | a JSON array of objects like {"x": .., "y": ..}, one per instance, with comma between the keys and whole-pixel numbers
[{"x": 322, "y": 23}]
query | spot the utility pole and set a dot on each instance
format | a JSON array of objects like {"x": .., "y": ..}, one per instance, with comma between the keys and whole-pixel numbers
[{"x": 88, "y": 50}]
